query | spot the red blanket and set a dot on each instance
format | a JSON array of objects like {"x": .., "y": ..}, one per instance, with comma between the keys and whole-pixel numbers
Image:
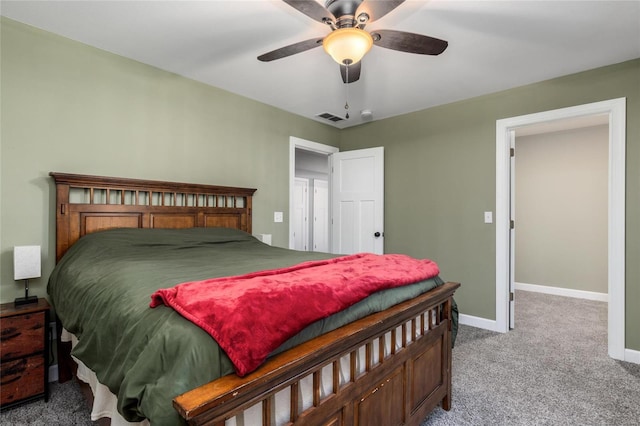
[{"x": 251, "y": 315}]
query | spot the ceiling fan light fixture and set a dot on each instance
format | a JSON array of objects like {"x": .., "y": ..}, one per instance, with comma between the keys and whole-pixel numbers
[{"x": 347, "y": 45}]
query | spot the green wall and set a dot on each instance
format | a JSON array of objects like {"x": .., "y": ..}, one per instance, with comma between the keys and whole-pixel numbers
[
  {"x": 71, "y": 108},
  {"x": 440, "y": 178}
]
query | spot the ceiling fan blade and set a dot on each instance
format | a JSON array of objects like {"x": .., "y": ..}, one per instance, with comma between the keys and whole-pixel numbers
[
  {"x": 292, "y": 49},
  {"x": 312, "y": 9},
  {"x": 408, "y": 42},
  {"x": 354, "y": 72},
  {"x": 376, "y": 9}
]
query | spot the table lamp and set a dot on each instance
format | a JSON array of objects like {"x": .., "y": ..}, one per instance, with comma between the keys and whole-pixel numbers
[{"x": 26, "y": 265}]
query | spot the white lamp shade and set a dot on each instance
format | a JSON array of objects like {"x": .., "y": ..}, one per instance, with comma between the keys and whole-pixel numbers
[
  {"x": 26, "y": 262},
  {"x": 347, "y": 45}
]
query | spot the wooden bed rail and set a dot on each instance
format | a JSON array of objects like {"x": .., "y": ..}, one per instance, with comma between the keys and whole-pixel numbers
[{"x": 426, "y": 316}]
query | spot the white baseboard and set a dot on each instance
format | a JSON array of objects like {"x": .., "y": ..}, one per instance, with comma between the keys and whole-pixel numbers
[
  {"x": 53, "y": 373},
  {"x": 631, "y": 355},
  {"x": 478, "y": 322},
  {"x": 567, "y": 292}
]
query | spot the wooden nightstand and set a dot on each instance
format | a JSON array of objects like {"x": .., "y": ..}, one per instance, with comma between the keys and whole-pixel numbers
[{"x": 24, "y": 352}]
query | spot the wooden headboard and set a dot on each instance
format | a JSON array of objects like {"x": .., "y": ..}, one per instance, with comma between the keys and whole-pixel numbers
[{"x": 86, "y": 204}]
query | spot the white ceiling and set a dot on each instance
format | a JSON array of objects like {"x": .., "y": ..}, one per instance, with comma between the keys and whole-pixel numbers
[{"x": 493, "y": 45}]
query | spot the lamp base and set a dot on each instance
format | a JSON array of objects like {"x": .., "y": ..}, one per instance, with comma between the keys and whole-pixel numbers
[{"x": 26, "y": 300}]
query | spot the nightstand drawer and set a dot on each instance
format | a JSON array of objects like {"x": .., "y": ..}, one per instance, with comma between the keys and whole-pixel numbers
[
  {"x": 24, "y": 345},
  {"x": 22, "y": 335},
  {"x": 22, "y": 378}
]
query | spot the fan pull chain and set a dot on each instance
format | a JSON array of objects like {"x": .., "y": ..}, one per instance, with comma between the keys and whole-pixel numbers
[{"x": 346, "y": 104}]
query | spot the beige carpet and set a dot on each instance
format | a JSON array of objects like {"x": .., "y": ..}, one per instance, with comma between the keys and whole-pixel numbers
[{"x": 533, "y": 376}]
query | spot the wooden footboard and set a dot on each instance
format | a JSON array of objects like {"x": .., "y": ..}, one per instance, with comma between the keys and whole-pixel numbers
[{"x": 398, "y": 368}]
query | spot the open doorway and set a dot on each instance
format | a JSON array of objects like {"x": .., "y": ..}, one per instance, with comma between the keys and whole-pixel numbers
[
  {"x": 560, "y": 213},
  {"x": 615, "y": 110},
  {"x": 309, "y": 198},
  {"x": 311, "y": 202}
]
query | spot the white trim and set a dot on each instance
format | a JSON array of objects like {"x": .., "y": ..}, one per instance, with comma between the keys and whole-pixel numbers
[
  {"x": 631, "y": 355},
  {"x": 477, "y": 322},
  {"x": 566, "y": 292},
  {"x": 294, "y": 143},
  {"x": 617, "y": 218},
  {"x": 616, "y": 109}
]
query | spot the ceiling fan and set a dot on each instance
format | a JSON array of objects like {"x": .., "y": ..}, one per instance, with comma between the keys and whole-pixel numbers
[{"x": 348, "y": 42}]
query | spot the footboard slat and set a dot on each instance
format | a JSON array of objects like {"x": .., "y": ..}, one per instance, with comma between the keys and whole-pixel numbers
[
  {"x": 294, "y": 402},
  {"x": 338, "y": 389},
  {"x": 316, "y": 388},
  {"x": 266, "y": 410},
  {"x": 336, "y": 377}
]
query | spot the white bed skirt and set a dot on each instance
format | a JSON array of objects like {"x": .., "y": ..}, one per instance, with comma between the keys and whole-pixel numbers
[{"x": 104, "y": 401}]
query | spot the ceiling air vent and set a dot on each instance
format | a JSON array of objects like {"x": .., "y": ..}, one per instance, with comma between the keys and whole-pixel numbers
[{"x": 330, "y": 117}]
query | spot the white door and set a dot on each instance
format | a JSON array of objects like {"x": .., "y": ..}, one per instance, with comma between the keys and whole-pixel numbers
[
  {"x": 300, "y": 213},
  {"x": 321, "y": 215},
  {"x": 357, "y": 201}
]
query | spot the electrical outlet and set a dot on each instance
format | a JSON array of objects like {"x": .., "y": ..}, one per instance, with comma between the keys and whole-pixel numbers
[{"x": 278, "y": 217}]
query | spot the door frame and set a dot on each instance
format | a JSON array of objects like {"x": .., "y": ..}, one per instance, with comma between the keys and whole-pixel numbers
[
  {"x": 616, "y": 110},
  {"x": 306, "y": 145}
]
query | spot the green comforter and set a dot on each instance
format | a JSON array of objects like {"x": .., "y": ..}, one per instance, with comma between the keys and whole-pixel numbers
[{"x": 101, "y": 291}]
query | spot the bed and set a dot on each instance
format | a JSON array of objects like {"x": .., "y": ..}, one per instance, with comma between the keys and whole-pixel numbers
[{"x": 384, "y": 360}]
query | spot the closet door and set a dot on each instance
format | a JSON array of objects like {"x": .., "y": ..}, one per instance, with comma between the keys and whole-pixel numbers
[
  {"x": 300, "y": 214},
  {"x": 321, "y": 215}
]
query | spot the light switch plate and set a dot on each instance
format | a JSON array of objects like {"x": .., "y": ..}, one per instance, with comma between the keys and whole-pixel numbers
[
  {"x": 277, "y": 216},
  {"x": 488, "y": 217}
]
